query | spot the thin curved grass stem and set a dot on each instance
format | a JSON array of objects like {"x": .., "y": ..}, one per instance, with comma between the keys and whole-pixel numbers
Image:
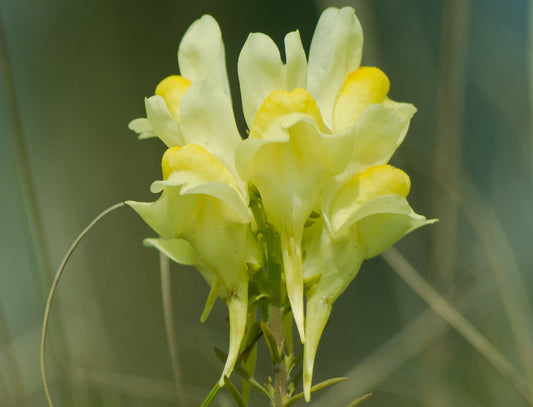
[
  {"x": 170, "y": 328},
  {"x": 53, "y": 290},
  {"x": 408, "y": 273}
]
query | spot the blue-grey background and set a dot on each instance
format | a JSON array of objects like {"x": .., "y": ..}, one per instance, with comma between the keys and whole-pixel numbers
[{"x": 73, "y": 74}]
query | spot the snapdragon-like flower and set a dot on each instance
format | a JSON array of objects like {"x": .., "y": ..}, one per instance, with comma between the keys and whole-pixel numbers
[
  {"x": 202, "y": 215},
  {"x": 321, "y": 132}
]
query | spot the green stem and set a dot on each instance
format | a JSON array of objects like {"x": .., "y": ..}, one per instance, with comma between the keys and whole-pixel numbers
[{"x": 280, "y": 376}]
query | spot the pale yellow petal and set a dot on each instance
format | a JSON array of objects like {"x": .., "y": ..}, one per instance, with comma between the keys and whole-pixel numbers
[
  {"x": 282, "y": 107},
  {"x": 336, "y": 50},
  {"x": 172, "y": 89},
  {"x": 162, "y": 122},
  {"x": 201, "y": 54},
  {"x": 207, "y": 120},
  {"x": 363, "y": 87},
  {"x": 383, "y": 180}
]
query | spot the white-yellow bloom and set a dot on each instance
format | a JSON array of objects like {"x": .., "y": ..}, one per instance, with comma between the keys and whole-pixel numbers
[
  {"x": 203, "y": 220},
  {"x": 321, "y": 134},
  {"x": 201, "y": 58},
  {"x": 202, "y": 215}
]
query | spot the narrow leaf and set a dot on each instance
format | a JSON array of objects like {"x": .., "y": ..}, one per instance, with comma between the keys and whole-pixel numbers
[
  {"x": 238, "y": 369},
  {"x": 316, "y": 387},
  {"x": 359, "y": 400},
  {"x": 220, "y": 354},
  {"x": 254, "y": 299},
  {"x": 234, "y": 392},
  {"x": 211, "y": 299},
  {"x": 296, "y": 361},
  {"x": 251, "y": 340},
  {"x": 271, "y": 343},
  {"x": 211, "y": 395}
]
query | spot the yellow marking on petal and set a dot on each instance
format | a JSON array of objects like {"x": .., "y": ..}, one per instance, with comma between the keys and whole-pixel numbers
[
  {"x": 377, "y": 181},
  {"x": 280, "y": 103},
  {"x": 172, "y": 89},
  {"x": 170, "y": 161},
  {"x": 363, "y": 87},
  {"x": 197, "y": 160}
]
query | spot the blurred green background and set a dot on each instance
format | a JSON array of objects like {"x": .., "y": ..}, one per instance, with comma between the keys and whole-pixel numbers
[{"x": 73, "y": 74}]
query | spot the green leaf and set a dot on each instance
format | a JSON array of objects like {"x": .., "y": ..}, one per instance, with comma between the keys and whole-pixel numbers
[
  {"x": 316, "y": 387},
  {"x": 252, "y": 301},
  {"x": 359, "y": 400},
  {"x": 296, "y": 361},
  {"x": 271, "y": 343},
  {"x": 250, "y": 345},
  {"x": 211, "y": 299},
  {"x": 221, "y": 355},
  {"x": 211, "y": 396},
  {"x": 234, "y": 392}
]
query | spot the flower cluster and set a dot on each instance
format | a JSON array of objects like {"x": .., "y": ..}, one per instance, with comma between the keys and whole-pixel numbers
[{"x": 313, "y": 170}]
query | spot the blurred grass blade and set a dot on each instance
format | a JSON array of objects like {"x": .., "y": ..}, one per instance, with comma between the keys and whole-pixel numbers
[
  {"x": 38, "y": 255},
  {"x": 234, "y": 392},
  {"x": 359, "y": 400},
  {"x": 316, "y": 387},
  {"x": 457, "y": 321},
  {"x": 449, "y": 128},
  {"x": 170, "y": 328},
  {"x": 54, "y": 287},
  {"x": 448, "y": 134},
  {"x": 16, "y": 385},
  {"x": 211, "y": 395}
]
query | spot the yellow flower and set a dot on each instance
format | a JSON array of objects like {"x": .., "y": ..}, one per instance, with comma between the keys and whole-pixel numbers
[
  {"x": 321, "y": 134},
  {"x": 202, "y": 214},
  {"x": 201, "y": 88},
  {"x": 203, "y": 220},
  {"x": 365, "y": 216}
]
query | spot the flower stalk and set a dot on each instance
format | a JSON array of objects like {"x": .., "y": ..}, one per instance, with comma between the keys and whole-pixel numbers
[{"x": 279, "y": 374}]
